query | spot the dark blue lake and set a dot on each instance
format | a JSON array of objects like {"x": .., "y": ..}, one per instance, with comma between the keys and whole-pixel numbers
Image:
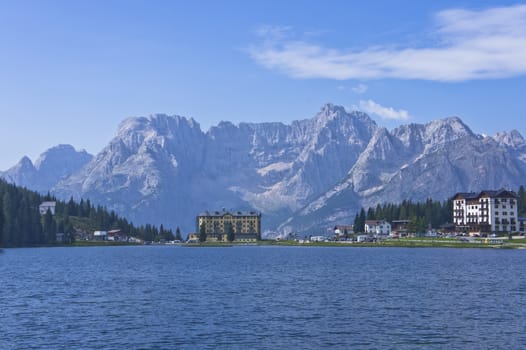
[{"x": 167, "y": 297}]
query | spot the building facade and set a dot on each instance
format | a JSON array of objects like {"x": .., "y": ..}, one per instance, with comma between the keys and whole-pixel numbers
[
  {"x": 486, "y": 211},
  {"x": 377, "y": 227},
  {"x": 45, "y": 206},
  {"x": 341, "y": 230},
  {"x": 245, "y": 226},
  {"x": 400, "y": 228}
]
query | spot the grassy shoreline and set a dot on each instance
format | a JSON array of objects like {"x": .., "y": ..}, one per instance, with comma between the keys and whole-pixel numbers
[{"x": 394, "y": 243}]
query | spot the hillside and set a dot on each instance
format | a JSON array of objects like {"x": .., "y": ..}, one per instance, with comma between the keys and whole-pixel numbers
[{"x": 21, "y": 223}]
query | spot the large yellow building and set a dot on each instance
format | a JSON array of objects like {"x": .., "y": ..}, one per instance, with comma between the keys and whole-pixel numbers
[{"x": 245, "y": 226}]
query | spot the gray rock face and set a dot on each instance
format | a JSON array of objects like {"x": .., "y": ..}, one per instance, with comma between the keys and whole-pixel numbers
[
  {"x": 52, "y": 166},
  {"x": 304, "y": 177},
  {"x": 417, "y": 162},
  {"x": 165, "y": 169},
  {"x": 146, "y": 171}
]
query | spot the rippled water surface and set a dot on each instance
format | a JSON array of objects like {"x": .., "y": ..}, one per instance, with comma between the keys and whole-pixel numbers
[{"x": 262, "y": 298}]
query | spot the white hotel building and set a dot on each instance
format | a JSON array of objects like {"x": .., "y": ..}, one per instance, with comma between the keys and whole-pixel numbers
[
  {"x": 377, "y": 227},
  {"x": 486, "y": 211}
]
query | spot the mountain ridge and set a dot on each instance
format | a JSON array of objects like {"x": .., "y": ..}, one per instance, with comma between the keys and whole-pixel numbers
[{"x": 303, "y": 176}]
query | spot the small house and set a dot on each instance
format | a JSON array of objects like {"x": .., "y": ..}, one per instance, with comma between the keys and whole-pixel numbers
[
  {"x": 117, "y": 235},
  {"x": 45, "y": 206},
  {"x": 399, "y": 227},
  {"x": 362, "y": 238},
  {"x": 341, "y": 230},
  {"x": 100, "y": 235},
  {"x": 377, "y": 227}
]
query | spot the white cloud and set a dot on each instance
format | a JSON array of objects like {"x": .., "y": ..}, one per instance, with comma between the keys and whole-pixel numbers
[
  {"x": 359, "y": 89},
  {"x": 482, "y": 44},
  {"x": 390, "y": 113}
]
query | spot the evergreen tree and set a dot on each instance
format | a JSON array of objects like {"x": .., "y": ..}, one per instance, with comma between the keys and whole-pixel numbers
[
  {"x": 8, "y": 215},
  {"x": 1, "y": 224},
  {"x": 24, "y": 216},
  {"x": 80, "y": 208},
  {"x": 403, "y": 211},
  {"x": 421, "y": 215},
  {"x": 371, "y": 214},
  {"x": 71, "y": 208},
  {"x": 167, "y": 235},
  {"x": 69, "y": 231},
  {"x": 202, "y": 233},
  {"x": 60, "y": 226},
  {"x": 412, "y": 227},
  {"x": 359, "y": 224},
  {"x": 22, "y": 225},
  {"x": 379, "y": 213},
  {"x": 522, "y": 201},
  {"x": 356, "y": 222},
  {"x": 49, "y": 227},
  {"x": 178, "y": 234},
  {"x": 230, "y": 232}
]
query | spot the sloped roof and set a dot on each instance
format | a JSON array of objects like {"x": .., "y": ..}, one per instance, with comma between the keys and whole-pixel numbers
[
  {"x": 375, "y": 222},
  {"x": 232, "y": 213},
  {"x": 466, "y": 195},
  {"x": 502, "y": 193}
]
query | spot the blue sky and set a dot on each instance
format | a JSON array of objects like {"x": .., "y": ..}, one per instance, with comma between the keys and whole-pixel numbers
[{"x": 71, "y": 71}]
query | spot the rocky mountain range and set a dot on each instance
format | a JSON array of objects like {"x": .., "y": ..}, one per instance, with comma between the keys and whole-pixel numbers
[
  {"x": 54, "y": 165},
  {"x": 303, "y": 177}
]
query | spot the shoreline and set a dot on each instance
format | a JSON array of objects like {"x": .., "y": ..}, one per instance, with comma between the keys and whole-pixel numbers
[{"x": 398, "y": 243}]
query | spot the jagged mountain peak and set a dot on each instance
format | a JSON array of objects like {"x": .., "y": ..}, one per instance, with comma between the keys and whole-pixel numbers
[
  {"x": 22, "y": 173},
  {"x": 164, "y": 169},
  {"x": 24, "y": 162},
  {"x": 446, "y": 130},
  {"x": 223, "y": 126},
  {"x": 52, "y": 166},
  {"x": 410, "y": 135},
  {"x": 148, "y": 134},
  {"x": 162, "y": 124},
  {"x": 511, "y": 139},
  {"x": 55, "y": 156},
  {"x": 381, "y": 132},
  {"x": 330, "y": 112},
  {"x": 453, "y": 124},
  {"x": 381, "y": 148},
  {"x": 330, "y": 109}
]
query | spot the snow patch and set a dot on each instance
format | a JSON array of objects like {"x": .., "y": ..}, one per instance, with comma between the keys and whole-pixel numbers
[{"x": 277, "y": 167}]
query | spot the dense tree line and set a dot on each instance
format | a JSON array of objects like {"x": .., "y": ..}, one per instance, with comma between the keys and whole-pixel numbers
[
  {"x": 20, "y": 220},
  {"x": 421, "y": 216},
  {"x": 522, "y": 202},
  {"x": 22, "y": 225}
]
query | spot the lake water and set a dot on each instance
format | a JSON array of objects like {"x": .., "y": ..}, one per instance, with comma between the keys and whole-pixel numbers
[{"x": 167, "y": 297}]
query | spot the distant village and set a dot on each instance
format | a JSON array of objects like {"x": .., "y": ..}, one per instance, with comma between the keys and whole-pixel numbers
[{"x": 475, "y": 214}]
